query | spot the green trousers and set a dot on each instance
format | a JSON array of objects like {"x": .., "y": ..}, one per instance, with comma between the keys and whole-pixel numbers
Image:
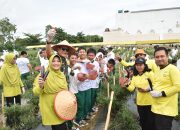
[
  {"x": 84, "y": 104},
  {"x": 88, "y": 107},
  {"x": 80, "y": 102},
  {"x": 25, "y": 75},
  {"x": 93, "y": 96}
]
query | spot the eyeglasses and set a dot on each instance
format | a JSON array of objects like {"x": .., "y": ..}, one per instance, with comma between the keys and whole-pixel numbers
[{"x": 64, "y": 49}]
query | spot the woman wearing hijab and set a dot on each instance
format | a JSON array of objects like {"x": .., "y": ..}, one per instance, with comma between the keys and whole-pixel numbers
[
  {"x": 47, "y": 90},
  {"x": 142, "y": 81},
  {"x": 10, "y": 78}
]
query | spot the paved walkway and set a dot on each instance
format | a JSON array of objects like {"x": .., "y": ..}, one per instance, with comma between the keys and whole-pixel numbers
[
  {"x": 100, "y": 122},
  {"x": 40, "y": 127},
  {"x": 101, "y": 119},
  {"x": 132, "y": 107}
]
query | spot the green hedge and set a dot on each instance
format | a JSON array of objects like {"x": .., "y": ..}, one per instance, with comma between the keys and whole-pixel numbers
[
  {"x": 21, "y": 117},
  {"x": 121, "y": 117}
]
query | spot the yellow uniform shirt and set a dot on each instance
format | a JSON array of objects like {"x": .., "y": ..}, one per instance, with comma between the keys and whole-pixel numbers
[
  {"x": 167, "y": 80},
  {"x": 46, "y": 103},
  {"x": 140, "y": 81},
  {"x": 54, "y": 83},
  {"x": 8, "y": 89}
]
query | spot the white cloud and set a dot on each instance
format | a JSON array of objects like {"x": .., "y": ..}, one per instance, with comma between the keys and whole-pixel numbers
[{"x": 89, "y": 16}]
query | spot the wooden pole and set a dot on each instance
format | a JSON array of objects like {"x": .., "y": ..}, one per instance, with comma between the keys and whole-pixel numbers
[
  {"x": 109, "y": 111},
  {"x": 2, "y": 102},
  {"x": 108, "y": 89},
  {"x": 114, "y": 82},
  {"x": 119, "y": 70}
]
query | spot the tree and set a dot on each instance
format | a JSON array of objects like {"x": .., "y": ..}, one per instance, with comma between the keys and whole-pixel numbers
[
  {"x": 71, "y": 38},
  {"x": 7, "y": 31},
  {"x": 81, "y": 37},
  {"x": 60, "y": 34},
  {"x": 33, "y": 39},
  {"x": 94, "y": 38},
  {"x": 78, "y": 38},
  {"x": 30, "y": 39}
]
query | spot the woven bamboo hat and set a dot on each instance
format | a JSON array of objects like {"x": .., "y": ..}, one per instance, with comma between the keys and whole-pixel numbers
[
  {"x": 140, "y": 51},
  {"x": 65, "y": 105},
  {"x": 65, "y": 44}
]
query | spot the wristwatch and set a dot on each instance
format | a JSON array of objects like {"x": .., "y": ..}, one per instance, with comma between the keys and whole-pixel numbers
[
  {"x": 163, "y": 94},
  {"x": 47, "y": 42}
]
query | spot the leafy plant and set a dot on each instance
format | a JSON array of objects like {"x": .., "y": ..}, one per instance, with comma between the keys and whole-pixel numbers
[
  {"x": 124, "y": 120},
  {"x": 5, "y": 128},
  {"x": 13, "y": 116},
  {"x": 32, "y": 100},
  {"x": 21, "y": 117},
  {"x": 102, "y": 95}
]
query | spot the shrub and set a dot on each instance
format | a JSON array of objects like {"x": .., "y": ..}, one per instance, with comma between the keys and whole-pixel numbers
[
  {"x": 21, "y": 117},
  {"x": 32, "y": 100},
  {"x": 124, "y": 120},
  {"x": 5, "y": 128},
  {"x": 102, "y": 95},
  {"x": 13, "y": 116}
]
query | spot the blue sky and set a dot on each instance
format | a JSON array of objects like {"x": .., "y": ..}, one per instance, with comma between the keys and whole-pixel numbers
[{"x": 89, "y": 16}]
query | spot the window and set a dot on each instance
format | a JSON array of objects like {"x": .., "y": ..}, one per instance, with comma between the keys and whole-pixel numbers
[
  {"x": 170, "y": 30},
  {"x": 139, "y": 32},
  {"x": 177, "y": 24},
  {"x": 152, "y": 31},
  {"x": 107, "y": 30}
]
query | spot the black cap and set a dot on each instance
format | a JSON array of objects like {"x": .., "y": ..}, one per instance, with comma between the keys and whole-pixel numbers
[
  {"x": 110, "y": 48},
  {"x": 140, "y": 60}
]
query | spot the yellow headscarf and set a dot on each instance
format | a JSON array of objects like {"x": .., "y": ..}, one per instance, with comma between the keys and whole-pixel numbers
[
  {"x": 56, "y": 80},
  {"x": 10, "y": 73}
]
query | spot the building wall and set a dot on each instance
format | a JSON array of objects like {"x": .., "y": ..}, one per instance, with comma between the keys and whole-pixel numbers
[{"x": 155, "y": 24}]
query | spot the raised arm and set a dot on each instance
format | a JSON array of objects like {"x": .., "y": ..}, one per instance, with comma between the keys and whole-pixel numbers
[
  {"x": 50, "y": 36},
  {"x": 48, "y": 50}
]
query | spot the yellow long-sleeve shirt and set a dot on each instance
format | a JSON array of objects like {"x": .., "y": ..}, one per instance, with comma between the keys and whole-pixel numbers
[
  {"x": 167, "y": 80},
  {"x": 46, "y": 103},
  {"x": 151, "y": 64},
  {"x": 8, "y": 89},
  {"x": 140, "y": 81}
]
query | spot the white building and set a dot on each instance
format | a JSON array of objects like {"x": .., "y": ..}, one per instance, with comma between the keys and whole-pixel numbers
[{"x": 155, "y": 24}]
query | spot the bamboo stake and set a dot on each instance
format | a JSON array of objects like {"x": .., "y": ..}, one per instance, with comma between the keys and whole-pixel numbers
[
  {"x": 2, "y": 102},
  {"x": 119, "y": 70},
  {"x": 108, "y": 89},
  {"x": 109, "y": 111},
  {"x": 114, "y": 82}
]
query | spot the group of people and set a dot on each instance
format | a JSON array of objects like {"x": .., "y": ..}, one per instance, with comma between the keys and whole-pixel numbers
[
  {"x": 157, "y": 85},
  {"x": 81, "y": 77},
  {"x": 78, "y": 71},
  {"x": 81, "y": 71}
]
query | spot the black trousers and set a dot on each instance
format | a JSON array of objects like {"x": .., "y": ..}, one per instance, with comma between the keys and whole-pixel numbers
[
  {"x": 146, "y": 117},
  {"x": 163, "y": 122},
  {"x": 10, "y": 100},
  {"x": 60, "y": 127}
]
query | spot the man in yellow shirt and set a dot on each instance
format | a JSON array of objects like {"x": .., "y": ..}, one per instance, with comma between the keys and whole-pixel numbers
[
  {"x": 139, "y": 53},
  {"x": 165, "y": 91}
]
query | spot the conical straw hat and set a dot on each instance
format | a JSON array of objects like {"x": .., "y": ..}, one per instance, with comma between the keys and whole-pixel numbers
[
  {"x": 65, "y": 105},
  {"x": 65, "y": 44}
]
